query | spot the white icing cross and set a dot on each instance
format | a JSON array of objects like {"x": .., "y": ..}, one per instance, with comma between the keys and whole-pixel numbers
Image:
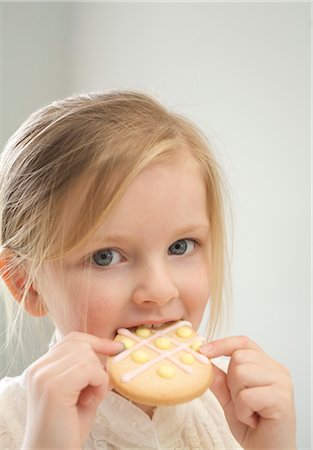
[{"x": 162, "y": 354}]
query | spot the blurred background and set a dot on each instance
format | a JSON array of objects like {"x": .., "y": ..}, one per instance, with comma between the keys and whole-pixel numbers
[{"x": 241, "y": 71}]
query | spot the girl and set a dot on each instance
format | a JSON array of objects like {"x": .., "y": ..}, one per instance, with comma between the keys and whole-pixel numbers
[{"x": 111, "y": 216}]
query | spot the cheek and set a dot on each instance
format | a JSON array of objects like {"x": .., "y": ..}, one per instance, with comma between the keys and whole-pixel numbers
[
  {"x": 85, "y": 302},
  {"x": 195, "y": 287},
  {"x": 198, "y": 290},
  {"x": 101, "y": 304},
  {"x": 67, "y": 298},
  {"x": 103, "y": 316},
  {"x": 107, "y": 302},
  {"x": 196, "y": 275}
]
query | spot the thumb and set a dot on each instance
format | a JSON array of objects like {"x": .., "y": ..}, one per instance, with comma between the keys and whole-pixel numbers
[{"x": 93, "y": 394}]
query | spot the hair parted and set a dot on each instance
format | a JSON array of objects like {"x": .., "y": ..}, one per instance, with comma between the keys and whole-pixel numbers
[{"x": 97, "y": 144}]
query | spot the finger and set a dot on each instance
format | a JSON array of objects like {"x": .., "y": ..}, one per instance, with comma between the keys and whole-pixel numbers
[
  {"x": 243, "y": 409},
  {"x": 67, "y": 375},
  {"x": 93, "y": 394},
  {"x": 221, "y": 391},
  {"x": 255, "y": 356},
  {"x": 67, "y": 387},
  {"x": 86, "y": 396},
  {"x": 84, "y": 374},
  {"x": 249, "y": 356},
  {"x": 244, "y": 376},
  {"x": 64, "y": 356},
  {"x": 99, "y": 345},
  {"x": 227, "y": 346},
  {"x": 262, "y": 401}
]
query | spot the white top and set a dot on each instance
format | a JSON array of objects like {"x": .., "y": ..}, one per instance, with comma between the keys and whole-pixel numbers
[{"x": 119, "y": 424}]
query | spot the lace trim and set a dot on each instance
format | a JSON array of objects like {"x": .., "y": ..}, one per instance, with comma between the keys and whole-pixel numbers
[
  {"x": 189, "y": 441},
  {"x": 10, "y": 439}
]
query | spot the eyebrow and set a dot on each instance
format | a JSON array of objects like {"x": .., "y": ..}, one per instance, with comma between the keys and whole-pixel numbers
[{"x": 194, "y": 228}]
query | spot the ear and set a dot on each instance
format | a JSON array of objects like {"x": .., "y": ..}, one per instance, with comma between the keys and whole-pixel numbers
[{"x": 15, "y": 277}]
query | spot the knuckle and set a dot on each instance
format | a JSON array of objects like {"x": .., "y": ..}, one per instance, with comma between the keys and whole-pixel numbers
[
  {"x": 39, "y": 380},
  {"x": 45, "y": 385},
  {"x": 238, "y": 356},
  {"x": 72, "y": 335},
  {"x": 31, "y": 372},
  {"x": 83, "y": 365},
  {"x": 287, "y": 392},
  {"x": 285, "y": 376},
  {"x": 239, "y": 372},
  {"x": 219, "y": 382},
  {"x": 286, "y": 371},
  {"x": 75, "y": 343},
  {"x": 285, "y": 397},
  {"x": 49, "y": 389},
  {"x": 243, "y": 396},
  {"x": 34, "y": 372},
  {"x": 84, "y": 346},
  {"x": 244, "y": 341}
]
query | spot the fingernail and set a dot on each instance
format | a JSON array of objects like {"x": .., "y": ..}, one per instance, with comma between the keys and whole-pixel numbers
[
  {"x": 206, "y": 348},
  {"x": 120, "y": 347}
]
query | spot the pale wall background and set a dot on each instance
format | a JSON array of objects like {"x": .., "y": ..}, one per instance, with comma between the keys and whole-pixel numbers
[{"x": 242, "y": 72}]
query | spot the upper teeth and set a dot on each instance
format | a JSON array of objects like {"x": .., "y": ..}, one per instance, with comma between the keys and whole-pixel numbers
[{"x": 150, "y": 325}]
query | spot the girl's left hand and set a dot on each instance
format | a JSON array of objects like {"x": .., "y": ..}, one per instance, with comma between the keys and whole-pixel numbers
[{"x": 256, "y": 395}]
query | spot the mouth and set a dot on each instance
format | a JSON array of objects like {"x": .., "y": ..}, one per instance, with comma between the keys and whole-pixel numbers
[
  {"x": 156, "y": 326},
  {"x": 151, "y": 324}
]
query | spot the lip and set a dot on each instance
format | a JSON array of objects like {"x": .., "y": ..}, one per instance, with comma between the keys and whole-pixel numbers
[{"x": 148, "y": 321}]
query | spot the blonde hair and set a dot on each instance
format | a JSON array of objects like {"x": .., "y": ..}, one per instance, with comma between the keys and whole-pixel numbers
[{"x": 100, "y": 141}]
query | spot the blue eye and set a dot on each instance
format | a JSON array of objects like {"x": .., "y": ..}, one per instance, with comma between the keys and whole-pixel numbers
[
  {"x": 181, "y": 247},
  {"x": 106, "y": 257}
]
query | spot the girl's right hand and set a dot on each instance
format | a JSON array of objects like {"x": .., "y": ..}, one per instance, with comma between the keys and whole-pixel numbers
[{"x": 65, "y": 387}]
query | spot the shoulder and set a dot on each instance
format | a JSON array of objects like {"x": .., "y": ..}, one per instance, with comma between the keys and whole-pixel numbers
[
  {"x": 13, "y": 389},
  {"x": 12, "y": 411}
]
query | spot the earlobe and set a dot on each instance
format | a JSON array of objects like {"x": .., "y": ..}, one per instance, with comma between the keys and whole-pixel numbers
[{"x": 15, "y": 278}]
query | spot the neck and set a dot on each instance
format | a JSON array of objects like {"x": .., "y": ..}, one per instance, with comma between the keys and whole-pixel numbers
[{"x": 149, "y": 410}]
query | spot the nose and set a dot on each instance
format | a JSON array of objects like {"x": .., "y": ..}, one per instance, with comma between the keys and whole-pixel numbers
[{"x": 155, "y": 285}]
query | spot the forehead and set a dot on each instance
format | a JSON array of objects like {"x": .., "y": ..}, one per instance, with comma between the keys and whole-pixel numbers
[{"x": 161, "y": 197}]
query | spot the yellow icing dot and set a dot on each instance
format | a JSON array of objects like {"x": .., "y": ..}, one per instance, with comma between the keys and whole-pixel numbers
[
  {"x": 196, "y": 345},
  {"x": 187, "y": 358},
  {"x": 143, "y": 332},
  {"x": 140, "y": 356},
  {"x": 127, "y": 342},
  {"x": 184, "y": 332},
  {"x": 166, "y": 371},
  {"x": 162, "y": 343}
]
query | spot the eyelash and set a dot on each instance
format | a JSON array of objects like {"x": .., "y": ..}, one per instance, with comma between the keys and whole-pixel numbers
[
  {"x": 112, "y": 250},
  {"x": 183, "y": 240}
]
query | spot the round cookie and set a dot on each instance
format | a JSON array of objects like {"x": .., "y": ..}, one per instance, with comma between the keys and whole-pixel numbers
[{"x": 160, "y": 365}]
